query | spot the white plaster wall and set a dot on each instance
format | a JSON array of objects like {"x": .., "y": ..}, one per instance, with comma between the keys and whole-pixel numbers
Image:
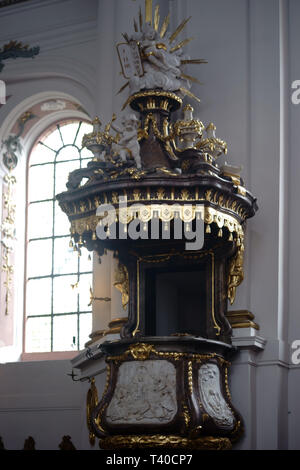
[{"x": 39, "y": 399}]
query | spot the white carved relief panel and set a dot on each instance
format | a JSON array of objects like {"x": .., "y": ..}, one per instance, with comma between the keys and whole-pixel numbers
[
  {"x": 145, "y": 393},
  {"x": 211, "y": 395}
]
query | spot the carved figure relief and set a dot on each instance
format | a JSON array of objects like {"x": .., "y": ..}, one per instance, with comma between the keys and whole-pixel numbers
[
  {"x": 128, "y": 145},
  {"x": 211, "y": 395},
  {"x": 145, "y": 393}
]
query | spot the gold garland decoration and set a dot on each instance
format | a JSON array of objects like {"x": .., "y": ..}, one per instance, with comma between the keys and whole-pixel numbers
[
  {"x": 169, "y": 441},
  {"x": 91, "y": 403},
  {"x": 236, "y": 271},
  {"x": 142, "y": 351}
]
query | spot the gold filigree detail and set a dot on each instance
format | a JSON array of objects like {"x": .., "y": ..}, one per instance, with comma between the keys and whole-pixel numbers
[
  {"x": 190, "y": 376},
  {"x": 186, "y": 415},
  {"x": 160, "y": 193},
  {"x": 227, "y": 384},
  {"x": 122, "y": 283},
  {"x": 169, "y": 441},
  {"x": 185, "y": 194},
  {"x": 136, "y": 194},
  {"x": 236, "y": 272},
  {"x": 91, "y": 403},
  {"x": 150, "y": 93},
  {"x": 141, "y": 351},
  {"x": 241, "y": 319}
]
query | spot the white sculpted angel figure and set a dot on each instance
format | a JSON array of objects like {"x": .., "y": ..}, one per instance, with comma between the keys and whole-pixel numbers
[
  {"x": 128, "y": 144},
  {"x": 161, "y": 67}
]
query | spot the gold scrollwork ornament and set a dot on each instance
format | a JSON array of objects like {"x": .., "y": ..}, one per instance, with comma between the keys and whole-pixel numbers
[
  {"x": 91, "y": 403},
  {"x": 122, "y": 283},
  {"x": 236, "y": 273}
]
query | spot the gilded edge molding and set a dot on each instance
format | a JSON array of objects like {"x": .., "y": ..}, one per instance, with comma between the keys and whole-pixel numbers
[
  {"x": 165, "y": 213},
  {"x": 241, "y": 319},
  {"x": 142, "y": 352},
  {"x": 91, "y": 403},
  {"x": 171, "y": 441}
]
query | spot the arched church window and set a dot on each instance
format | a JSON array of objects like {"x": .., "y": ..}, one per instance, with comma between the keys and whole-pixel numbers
[{"x": 58, "y": 309}]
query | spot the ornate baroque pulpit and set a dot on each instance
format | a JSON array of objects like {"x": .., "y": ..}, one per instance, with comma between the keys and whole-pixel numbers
[{"x": 155, "y": 195}]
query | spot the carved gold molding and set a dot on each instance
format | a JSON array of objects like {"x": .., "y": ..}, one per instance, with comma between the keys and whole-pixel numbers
[
  {"x": 185, "y": 212},
  {"x": 236, "y": 271},
  {"x": 151, "y": 195},
  {"x": 169, "y": 441},
  {"x": 241, "y": 319},
  {"x": 91, "y": 403}
]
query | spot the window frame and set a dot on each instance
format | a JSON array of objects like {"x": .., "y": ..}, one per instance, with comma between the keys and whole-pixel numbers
[{"x": 49, "y": 355}]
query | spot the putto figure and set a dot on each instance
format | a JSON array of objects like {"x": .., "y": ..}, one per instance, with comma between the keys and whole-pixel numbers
[
  {"x": 161, "y": 66},
  {"x": 128, "y": 144}
]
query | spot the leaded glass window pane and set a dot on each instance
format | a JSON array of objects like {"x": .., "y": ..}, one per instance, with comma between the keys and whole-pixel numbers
[{"x": 58, "y": 314}]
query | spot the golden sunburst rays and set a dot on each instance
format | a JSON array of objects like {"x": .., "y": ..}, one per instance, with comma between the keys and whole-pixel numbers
[
  {"x": 164, "y": 26},
  {"x": 179, "y": 29},
  {"x": 153, "y": 18},
  {"x": 190, "y": 78},
  {"x": 184, "y": 91},
  {"x": 193, "y": 61},
  {"x": 181, "y": 44},
  {"x": 156, "y": 18},
  {"x": 123, "y": 87},
  {"x": 148, "y": 11}
]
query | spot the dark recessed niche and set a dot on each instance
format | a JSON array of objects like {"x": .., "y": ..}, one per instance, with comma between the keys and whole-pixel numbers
[{"x": 175, "y": 302}]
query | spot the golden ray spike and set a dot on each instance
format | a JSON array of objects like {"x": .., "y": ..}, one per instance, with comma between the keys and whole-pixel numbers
[
  {"x": 141, "y": 19},
  {"x": 148, "y": 11},
  {"x": 189, "y": 93},
  {"x": 179, "y": 29},
  {"x": 123, "y": 88},
  {"x": 156, "y": 18},
  {"x": 189, "y": 77},
  {"x": 181, "y": 44},
  {"x": 126, "y": 103},
  {"x": 193, "y": 61},
  {"x": 135, "y": 25},
  {"x": 165, "y": 26}
]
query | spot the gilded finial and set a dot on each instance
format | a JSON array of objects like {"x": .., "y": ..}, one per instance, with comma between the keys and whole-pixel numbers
[
  {"x": 96, "y": 124},
  {"x": 211, "y": 127},
  {"x": 188, "y": 107}
]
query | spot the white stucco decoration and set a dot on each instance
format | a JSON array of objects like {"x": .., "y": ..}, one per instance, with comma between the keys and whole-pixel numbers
[
  {"x": 161, "y": 65},
  {"x": 128, "y": 145},
  {"x": 145, "y": 393},
  {"x": 211, "y": 396}
]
